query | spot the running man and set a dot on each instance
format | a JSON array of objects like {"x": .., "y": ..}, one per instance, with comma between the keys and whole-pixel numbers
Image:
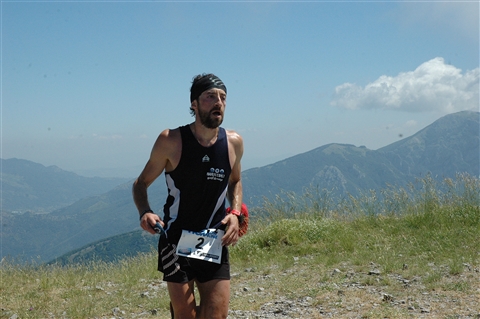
[{"x": 202, "y": 169}]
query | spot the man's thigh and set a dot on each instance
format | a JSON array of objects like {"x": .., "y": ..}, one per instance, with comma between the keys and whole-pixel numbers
[
  {"x": 182, "y": 298},
  {"x": 214, "y": 298}
]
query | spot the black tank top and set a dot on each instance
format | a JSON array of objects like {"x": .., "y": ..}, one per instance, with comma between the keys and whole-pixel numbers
[{"x": 197, "y": 187}]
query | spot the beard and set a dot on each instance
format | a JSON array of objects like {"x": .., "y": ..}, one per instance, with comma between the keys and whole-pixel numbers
[{"x": 208, "y": 121}]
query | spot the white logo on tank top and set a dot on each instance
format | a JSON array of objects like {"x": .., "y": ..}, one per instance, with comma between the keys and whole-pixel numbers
[{"x": 216, "y": 174}]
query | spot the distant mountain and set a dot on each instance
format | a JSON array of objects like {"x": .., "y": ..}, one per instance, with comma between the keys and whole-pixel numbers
[
  {"x": 46, "y": 236},
  {"x": 448, "y": 146},
  {"x": 29, "y": 186},
  {"x": 339, "y": 168}
]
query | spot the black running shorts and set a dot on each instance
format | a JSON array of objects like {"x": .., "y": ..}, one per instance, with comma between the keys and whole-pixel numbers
[{"x": 181, "y": 269}]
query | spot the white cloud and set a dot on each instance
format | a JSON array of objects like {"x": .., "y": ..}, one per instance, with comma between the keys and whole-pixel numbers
[{"x": 433, "y": 86}]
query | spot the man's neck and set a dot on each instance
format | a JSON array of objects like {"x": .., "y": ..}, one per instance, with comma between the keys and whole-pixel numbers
[{"x": 205, "y": 136}]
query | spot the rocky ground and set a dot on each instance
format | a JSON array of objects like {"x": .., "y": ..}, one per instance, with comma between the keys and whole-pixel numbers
[
  {"x": 309, "y": 291},
  {"x": 366, "y": 295},
  {"x": 345, "y": 294},
  {"x": 349, "y": 294}
]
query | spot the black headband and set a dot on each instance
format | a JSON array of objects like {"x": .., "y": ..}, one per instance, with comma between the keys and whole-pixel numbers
[{"x": 206, "y": 83}]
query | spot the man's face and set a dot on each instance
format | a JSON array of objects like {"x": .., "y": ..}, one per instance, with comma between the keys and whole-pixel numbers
[{"x": 211, "y": 107}]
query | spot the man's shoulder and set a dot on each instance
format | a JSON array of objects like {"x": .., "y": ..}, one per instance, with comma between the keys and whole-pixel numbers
[
  {"x": 168, "y": 138},
  {"x": 234, "y": 137},
  {"x": 232, "y": 133},
  {"x": 170, "y": 133}
]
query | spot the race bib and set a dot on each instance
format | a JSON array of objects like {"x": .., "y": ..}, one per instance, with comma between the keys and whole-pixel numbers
[{"x": 204, "y": 245}]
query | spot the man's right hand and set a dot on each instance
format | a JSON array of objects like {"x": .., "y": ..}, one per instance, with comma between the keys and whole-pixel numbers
[{"x": 149, "y": 220}]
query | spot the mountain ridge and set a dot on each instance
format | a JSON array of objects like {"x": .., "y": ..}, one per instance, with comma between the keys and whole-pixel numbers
[
  {"x": 345, "y": 168},
  {"x": 30, "y": 186},
  {"x": 341, "y": 168}
]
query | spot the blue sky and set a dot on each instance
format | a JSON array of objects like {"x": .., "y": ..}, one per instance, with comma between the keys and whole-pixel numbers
[{"x": 89, "y": 85}]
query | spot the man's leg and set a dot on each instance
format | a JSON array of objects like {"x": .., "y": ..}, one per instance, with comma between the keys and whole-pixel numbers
[
  {"x": 182, "y": 299},
  {"x": 214, "y": 299}
]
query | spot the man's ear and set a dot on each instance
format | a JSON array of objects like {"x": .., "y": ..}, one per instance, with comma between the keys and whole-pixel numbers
[{"x": 194, "y": 105}]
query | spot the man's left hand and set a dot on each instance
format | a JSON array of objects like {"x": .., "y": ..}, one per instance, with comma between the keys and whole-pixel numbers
[{"x": 231, "y": 233}]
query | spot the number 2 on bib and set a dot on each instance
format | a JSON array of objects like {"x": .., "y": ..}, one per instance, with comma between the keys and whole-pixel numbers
[{"x": 201, "y": 241}]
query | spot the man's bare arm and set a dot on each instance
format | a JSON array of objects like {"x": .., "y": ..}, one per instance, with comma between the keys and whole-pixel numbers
[
  {"x": 235, "y": 191},
  {"x": 160, "y": 158}
]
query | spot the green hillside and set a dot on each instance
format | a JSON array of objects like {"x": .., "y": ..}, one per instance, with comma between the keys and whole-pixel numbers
[
  {"x": 111, "y": 249},
  {"x": 47, "y": 236},
  {"x": 314, "y": 203},
  {"x": 419, "y": 258}
]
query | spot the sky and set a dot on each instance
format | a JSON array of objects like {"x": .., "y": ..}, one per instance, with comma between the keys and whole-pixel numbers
[{"x": 88, "y": 85}]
